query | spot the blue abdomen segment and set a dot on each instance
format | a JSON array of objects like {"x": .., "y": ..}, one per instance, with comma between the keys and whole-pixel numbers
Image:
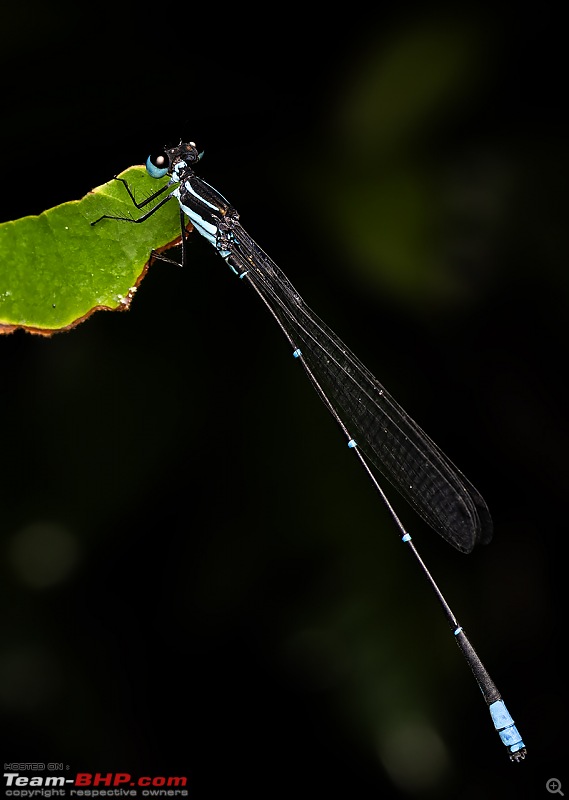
[{"x": 507, "y": 731}]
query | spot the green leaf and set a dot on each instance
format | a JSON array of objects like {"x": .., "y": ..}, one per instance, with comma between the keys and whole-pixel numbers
[{"x": 56, "y": 269}]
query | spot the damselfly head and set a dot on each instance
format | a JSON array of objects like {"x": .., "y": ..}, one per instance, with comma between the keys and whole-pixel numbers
[{"x": 185, "y": 153}]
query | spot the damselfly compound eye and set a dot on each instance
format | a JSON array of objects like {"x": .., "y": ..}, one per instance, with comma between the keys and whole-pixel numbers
[
  {"x": 157, "y": 165},
  {"x": 159, "y": 158}
]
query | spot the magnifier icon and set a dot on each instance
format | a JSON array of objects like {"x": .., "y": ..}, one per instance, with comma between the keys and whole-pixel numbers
[{"x": 553, "y": 786}]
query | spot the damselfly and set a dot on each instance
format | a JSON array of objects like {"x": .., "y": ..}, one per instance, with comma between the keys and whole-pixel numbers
[{"x": 377, "y": 429}]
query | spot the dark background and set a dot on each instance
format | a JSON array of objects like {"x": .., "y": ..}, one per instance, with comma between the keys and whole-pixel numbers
[{"x": 196, "y": 579}]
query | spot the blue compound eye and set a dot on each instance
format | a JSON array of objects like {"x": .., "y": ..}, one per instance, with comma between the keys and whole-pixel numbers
[{"x": 157, "y": 167}]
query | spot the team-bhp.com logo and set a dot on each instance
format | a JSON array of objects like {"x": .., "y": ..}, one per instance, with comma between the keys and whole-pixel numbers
[{"x": 94, "y": 784}]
